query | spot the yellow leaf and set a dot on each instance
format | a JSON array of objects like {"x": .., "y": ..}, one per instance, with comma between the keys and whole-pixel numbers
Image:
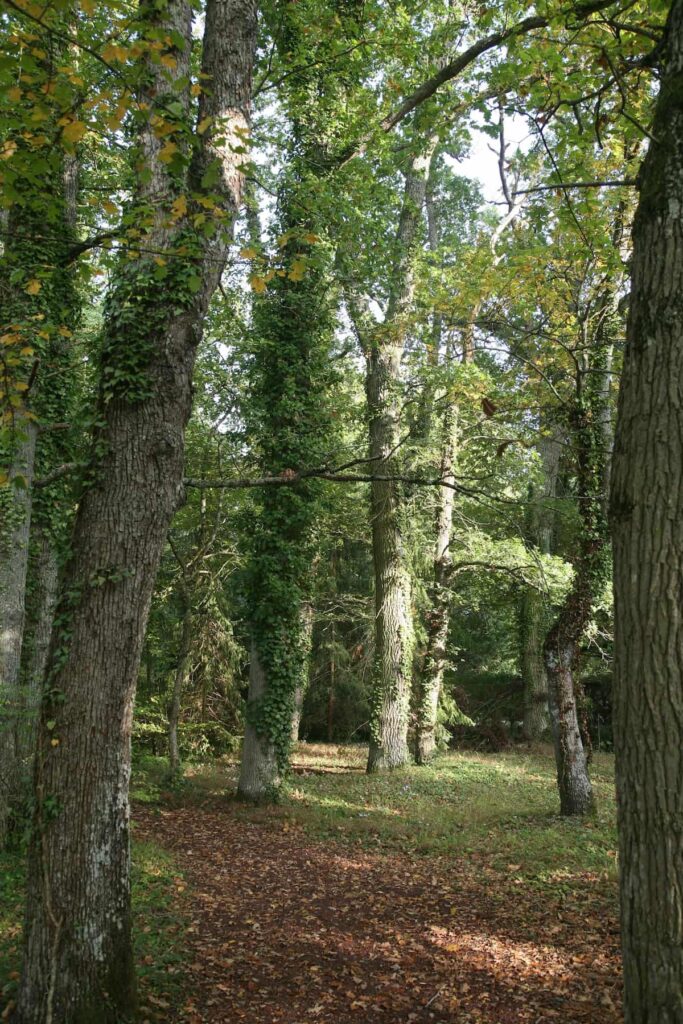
[
  {"x": 26, "y": 351},
  {"x": 54, "y": 742},
  {"x": 21, "y": 385},
  {"x": 169, "y": 61},
  {"x": 249, "y": 252},
  {"x": 74, "y": 131},
  {"x": 203, "y": 125},
  {"x": 33, "y": 287},
  {"x": 10, "y": 339},
  {"x": 113, "y": 52},
  {"x": 166, "y": 152},
  {"x": 88, "y": 6},
  {"x": 257, "y": 283},
  {"x": 311, "y": 238},
  {"x": 8, "y": 150},
  {"x": 14, "y": 94},
  {"x": 64, "y": 331},
  {"x": 297, "y": 270},
  {"x": 179, "y": 207},
  {"x": 4, "y": 479},
  {"x": 160, "y": 261},
  {"x": 195, "y": 89},
  {"x": 110, "y": 207}
]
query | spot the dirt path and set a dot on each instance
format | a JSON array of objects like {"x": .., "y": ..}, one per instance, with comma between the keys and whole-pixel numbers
[{"x": 286, "y": 930}]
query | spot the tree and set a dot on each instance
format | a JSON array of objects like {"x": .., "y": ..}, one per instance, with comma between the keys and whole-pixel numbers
[
  {"x": 78, "y": 958},
  {"x": 647, "y": 526}
]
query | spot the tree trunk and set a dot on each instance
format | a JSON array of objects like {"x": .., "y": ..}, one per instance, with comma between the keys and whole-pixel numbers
[
  {"x": 562, "y": 646},
  {"x": 15, "y": 508},
  {"x": 647, "y": 518},
  {"x": 430, "y": 679},
  {"x": 390, "y": 700},
  {"x": 45, "y": 573},
  {"x": 78, "y": 963},
  {"x": 177, "y": 695},
  {"x": 533, "y": 605},
  {"x": 259, "y": 771}
]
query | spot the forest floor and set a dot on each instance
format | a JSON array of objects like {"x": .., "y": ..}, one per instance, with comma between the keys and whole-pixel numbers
[{"x": 451, "y": 894}]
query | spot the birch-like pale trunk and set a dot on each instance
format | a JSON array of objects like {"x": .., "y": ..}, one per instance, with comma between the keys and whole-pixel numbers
[
  {"x": 78, "y": 961},
  {"x": 647, "y": 526}
]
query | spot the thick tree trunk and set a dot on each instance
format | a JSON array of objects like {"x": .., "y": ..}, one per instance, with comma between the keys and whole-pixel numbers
[
  {"x": 259, "y": 770},
  {"x": 647, "y": 518},
  {"x": 390, "y": 701},
  {"x": 78, "y": 964},
  {"x": 179, "y": 677},
  {"x": 15, "y": 510}
]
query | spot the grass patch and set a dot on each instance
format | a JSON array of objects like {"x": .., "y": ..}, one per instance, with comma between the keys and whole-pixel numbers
[
  {"x": 159, "y": 925},
  {"x": 500, "y": 810}
]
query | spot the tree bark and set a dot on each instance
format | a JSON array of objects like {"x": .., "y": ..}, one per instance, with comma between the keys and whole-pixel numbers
[
  {"x": 562, "y": 646},
  {"x": 78, "y": 962},
  {"x": 647, "y": 520},
  {"x": 15, "y": 509},
  {"x": 390, "y": 700},
  {"x": 259, "y": 770}
]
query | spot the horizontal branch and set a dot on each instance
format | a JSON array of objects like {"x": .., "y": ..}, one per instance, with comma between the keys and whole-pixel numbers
[{"x": 624, "y": 183}]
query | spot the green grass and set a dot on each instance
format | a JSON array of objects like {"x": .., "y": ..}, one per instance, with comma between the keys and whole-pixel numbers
[
  {"x": 503, "y": 807},
  {"x": 159, "y": 927}
]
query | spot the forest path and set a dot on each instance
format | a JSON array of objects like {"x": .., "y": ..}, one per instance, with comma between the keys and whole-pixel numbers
[{"x": 286, "y": 930}]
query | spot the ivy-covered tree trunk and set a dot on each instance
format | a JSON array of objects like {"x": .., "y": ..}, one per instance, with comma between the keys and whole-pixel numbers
[
  {"x": 562, "y": 645},
  {"x": 15, "y": 510},
  {"x": 647, "y": 519},
  {"x": 289, "y": 419},
  {"x": 78, "y": 963},
  {"x": 390, "y": 699},
  {"x": 533, "y": 612}
]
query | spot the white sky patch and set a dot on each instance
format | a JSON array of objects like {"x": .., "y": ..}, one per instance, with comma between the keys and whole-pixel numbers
[{"x": 482, "y": 162}]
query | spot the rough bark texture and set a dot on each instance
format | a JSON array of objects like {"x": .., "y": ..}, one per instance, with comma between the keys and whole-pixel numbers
[
  {"x": 393, "y": 620},
  {"x": 15, "y": 526},
  {"x": 259, "y": 771},
  {"x": 78, "y": 964},
  {"x": 533, "y": 605},
  {"x": 647, "y": 517}
]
